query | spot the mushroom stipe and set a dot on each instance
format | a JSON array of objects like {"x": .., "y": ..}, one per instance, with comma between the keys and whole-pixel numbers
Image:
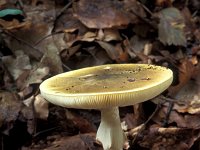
[{"x": 106, "y": 88}]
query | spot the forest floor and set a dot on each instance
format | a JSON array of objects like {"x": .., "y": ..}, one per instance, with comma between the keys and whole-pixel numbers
[{"x": 39, "y": 39}]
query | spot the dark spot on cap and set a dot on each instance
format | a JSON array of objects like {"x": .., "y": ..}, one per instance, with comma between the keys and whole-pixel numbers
[
  {"x": 131, "y": 80},
  {"x": 146, "y": 78}
]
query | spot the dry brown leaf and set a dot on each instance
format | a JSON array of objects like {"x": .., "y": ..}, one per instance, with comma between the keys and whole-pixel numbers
[
  {"x": 2, "y": 3},
  {"x": 21, "y": 40},
  {"x": 41, "y": 107},
  {"x": 73, "y": 30},
  {"x": 14, "y": 24},
  {"x": 9, "y": 110},
  {"x": 186, "y": 70},
  {"x": 78, "y": 142},
  {"x": 163, "y": 3},
  {"x": 27, "y": 114},
  {"x": 33, "y": 76},
  {"x": 188, "y": 99},
  {"x": 41, "y": 24},
  {"x": 123, "y": 54},
  {"x": 67, "y": 53},
  {"x": 109, "y": 35},
  {"x": 37, "y": 75},
  {"x": 188, "y": 93},
  {"x": 97, "y": 56},
  {"x": 110, "y": 49},
  {"x": 135, "y": 48},
  {"x": 182, "y": 120},
  {"x": 156, "y": 138},
  {"x": 197, "y": 36},
  {"x": 137, "y": 44},
  {"x": 18, "y": 65},
  {"x": 171, "y": 27},
  {"x": 134, "y": 10},
  {"x": 51, "y": 57},
  {"x": 72, "y": 24},
  {"x": 25, "y": 92},
  {"x": 189, "y": 22},
  {"x": 129, "y": 120},
  {"x": 82, "y": 124},
  {"x": 88, "y": 36},
  {"x": 101, "y": 14}
]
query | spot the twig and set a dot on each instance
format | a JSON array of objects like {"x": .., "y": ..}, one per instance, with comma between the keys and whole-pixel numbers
[
  {"x": 44, "y": 131},
  {"x": 169, "y": 109},
  {"x": 145, "y": 8},
  {"x": 64, "y": 8},
  {"x": 40, "y": 40},
  {"x": 68, "y": 68},
  {"x": 60, "y": 13}
]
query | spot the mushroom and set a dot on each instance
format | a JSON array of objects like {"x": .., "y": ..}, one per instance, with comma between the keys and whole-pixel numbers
[{"x": 106, "y": 88}]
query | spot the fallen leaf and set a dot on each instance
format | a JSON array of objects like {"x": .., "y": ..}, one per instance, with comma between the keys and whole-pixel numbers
[
  {"x": 88, "y": 36},
  {"x": 33, "y": 76},
  {"x": 37, "y": 75},
  {"x": 77, "y": 142},
  {"x": 109, "y": 35},
  {"x": 2, "y": 3},
  {"x": 188, "y": 95},
  {"x": 186, "y": 70},
  {"x": 17, "y": 65},
  {"x": 110, "y": 49},
  {"x": 13, "y": 25},
  {"x": 137, "y": 44},
  {"x": 52, "y": 57},
  {"x": 71, "y": 25},
  {"x": 41, "y": 107},
  {"x": 67, "y": 53},
  {"x": 171, "y": 27},
  {"x": 129, "y": 120},
  {"x": 9, "y": 110},
  {"x": 181, "y": 120},
  {"x": 26, "y": 113},
  {"x": 96, "y": 56},
  {"x": 163, "y": 3},
  {"x": 100, "y": 14},
  {"x": 82, "y": 124},
  {"x": 157, "y": 138}
]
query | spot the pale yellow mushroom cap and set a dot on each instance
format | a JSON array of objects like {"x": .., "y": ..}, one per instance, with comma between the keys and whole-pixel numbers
[{"x": 106, "y": 86}]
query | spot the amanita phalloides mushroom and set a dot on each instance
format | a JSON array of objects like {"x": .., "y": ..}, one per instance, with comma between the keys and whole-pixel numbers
[{"x": 106, "y": 88}]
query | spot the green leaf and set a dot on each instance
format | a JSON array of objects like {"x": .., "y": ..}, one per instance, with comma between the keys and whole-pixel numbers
[
  {"x": 171, "y": 27},
  {"x": 6, "y": 12}
]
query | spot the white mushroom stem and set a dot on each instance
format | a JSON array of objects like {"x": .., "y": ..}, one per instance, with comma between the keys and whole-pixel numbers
[{"x": 110, "y": 132}]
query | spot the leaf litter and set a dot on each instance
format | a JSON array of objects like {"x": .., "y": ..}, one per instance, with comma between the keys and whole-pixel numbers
[{"x": 52, "y": 37}]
